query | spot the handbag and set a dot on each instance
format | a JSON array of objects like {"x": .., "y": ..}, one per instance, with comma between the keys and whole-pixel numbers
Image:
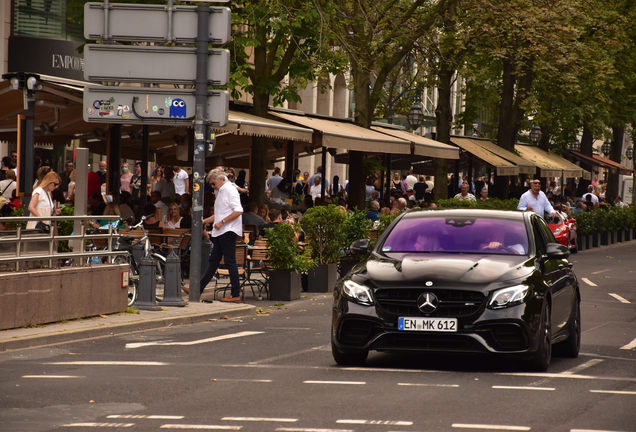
[{"x": 45, "y": 228}]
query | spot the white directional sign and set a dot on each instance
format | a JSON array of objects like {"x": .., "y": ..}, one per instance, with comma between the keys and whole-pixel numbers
[
  {"x": 170, "y": 65},
  {"x": 151, "y": 23},
  {"x": 145, "y": 105}
]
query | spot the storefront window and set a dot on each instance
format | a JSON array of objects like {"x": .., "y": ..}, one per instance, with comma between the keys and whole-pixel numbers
[{"x": 48, "y": 19}]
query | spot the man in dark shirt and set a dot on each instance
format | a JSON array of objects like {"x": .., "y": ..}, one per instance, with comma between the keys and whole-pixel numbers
[
  {"x": 97, "y": 204},
  {"x": 250, "y": 217},
  {"x": 420, "y": 189},
  {"x": 65, "y": 176},
  {"x": 102, "y": 172},
  {"x": 479, "y": 184}
]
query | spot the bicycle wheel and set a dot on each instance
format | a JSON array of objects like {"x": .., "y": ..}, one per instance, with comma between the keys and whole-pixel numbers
[
  {"x": 133, "y": 278},
  {"x": 160, "y": 274}
]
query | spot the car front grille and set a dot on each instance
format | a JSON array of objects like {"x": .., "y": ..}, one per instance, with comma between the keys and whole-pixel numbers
[{"x": 452, "y": 303}]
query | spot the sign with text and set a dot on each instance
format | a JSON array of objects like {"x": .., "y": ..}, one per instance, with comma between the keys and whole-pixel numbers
[
  {"x": 151, "y": 23},
  {"x": 141, "y": 105},
  {"x": 151, "y": 64}
]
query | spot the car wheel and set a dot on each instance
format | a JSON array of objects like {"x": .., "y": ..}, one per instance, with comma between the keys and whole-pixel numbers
[
  {"x": 540, "y": 361},
  {"x": 572, "y": 345},
  {"x": 348, "y": 359}
]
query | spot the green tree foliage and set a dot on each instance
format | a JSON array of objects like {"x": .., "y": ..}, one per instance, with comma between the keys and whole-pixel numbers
[
  {"x": 324, "y": 229},
  {"x": 283, "y": 251}
]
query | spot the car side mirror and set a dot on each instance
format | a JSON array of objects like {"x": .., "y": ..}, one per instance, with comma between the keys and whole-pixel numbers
[
  {"x": 360, "y": 247},
  {"x": 557, "y": 251}
]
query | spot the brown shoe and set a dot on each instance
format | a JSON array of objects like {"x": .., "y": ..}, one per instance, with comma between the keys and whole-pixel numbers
[
  {"x": 231, "y": 299},
  {"x": 185, "y": 289}
]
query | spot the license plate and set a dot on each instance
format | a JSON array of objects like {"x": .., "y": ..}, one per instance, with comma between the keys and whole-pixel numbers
[{"x": 428, "y": 324}]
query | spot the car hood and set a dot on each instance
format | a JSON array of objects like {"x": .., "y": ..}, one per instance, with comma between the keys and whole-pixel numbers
[{"x": 473, "y": 269}]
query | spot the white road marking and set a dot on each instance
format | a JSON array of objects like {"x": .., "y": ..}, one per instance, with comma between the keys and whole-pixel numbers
[
  {"x": 427, "y": 385},
  {"x": 261, "y": 419},
  {"x": 569, "y": 376},
  {"x": 579, "y": 368},
  {"x": 288, "y": 328},
  {"x": 589, "y": 282},
  {"x": 590, "y": 430},
  {"x": 377, "y": 422},
  {"x": 524, "y": 388},
  {"x": 200, "y": 341},
  {"x": 52, "y": 376},
  {"x": 242, "y": 380},
  {"x": 140, "y": 416},
  {"x": 491, "y": 427},
  {"x": 188, "y": 426},
  {"x": 120, "y": 425},
  {"x": 312, "y": 430},
  {"x": 283, "y": 356},
  {"x": 601, "y": 271},
  {"x": 614, "y": 392},
  {"x": 111, "y": 363},
  {"x": 630, "y": 345},
  {"x": 335, "y": 382},
  {"x": 619, "y": 298}
]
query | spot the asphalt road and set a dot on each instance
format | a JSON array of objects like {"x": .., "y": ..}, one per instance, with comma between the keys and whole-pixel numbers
[{"x": 274, "y": 372}]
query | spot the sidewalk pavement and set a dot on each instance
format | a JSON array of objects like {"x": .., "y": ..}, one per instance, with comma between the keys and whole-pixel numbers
[{"x": 118, "y": 323}]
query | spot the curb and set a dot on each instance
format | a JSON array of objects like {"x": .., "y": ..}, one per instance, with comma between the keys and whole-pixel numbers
[{"x": 62, "y": 336}]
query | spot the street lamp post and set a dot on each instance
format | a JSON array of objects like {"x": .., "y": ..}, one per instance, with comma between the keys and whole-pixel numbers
[
  {"x": 576, "y": 146},
  {"x": 415, "y": 117},
  {"x": 606, "y": 148}
]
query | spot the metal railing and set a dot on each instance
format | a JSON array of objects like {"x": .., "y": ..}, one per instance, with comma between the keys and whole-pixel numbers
[{"x": 79, "y": 241}]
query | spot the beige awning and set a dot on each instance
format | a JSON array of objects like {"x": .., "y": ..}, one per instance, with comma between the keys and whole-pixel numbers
[
  {"x": 551, "y": 164},
  {"x": 248, "y": 124},
  {"x": 503, "y": 167},
  {"x": 422, "y": 146},
  {"x": 525, "y": 166},
  {"x": 347, "y": 136}
]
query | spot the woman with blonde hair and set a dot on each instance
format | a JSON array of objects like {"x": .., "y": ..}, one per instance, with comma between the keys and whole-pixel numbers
[
  {"x": 41, "y": 204},
  {"x": 71, "y": 187},
  {"x": 173, "y": 218},
  {"x": 263, "y": 212},
  {"x": 125, "y": 178}
]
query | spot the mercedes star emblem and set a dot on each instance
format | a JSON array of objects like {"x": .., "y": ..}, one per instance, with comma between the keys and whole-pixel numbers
[{"x": 427, "y": 302}]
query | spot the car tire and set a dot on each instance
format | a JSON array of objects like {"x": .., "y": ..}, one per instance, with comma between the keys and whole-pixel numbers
[
  {"x": 348, "y": 359},
  {"x": 540, "y": 361},
  {"x": 572, "y": 345}
]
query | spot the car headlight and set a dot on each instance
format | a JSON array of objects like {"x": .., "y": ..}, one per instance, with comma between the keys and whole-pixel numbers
[
  {"x": 358, "y": 293},
  {"x": 509, "y": 296},
  {"x": 558, "y": 230}
]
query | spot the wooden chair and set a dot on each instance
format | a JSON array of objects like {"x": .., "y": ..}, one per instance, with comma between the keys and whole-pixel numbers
[
  {"x": 241, "y": 262},
  {"x": 257, "y": 263},
  {"x": 154, "y": 234},
  {"x": 174, "y": 242}
]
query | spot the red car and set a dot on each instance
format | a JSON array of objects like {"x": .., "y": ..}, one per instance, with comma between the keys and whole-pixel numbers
[{"x": 564, "y": 229}]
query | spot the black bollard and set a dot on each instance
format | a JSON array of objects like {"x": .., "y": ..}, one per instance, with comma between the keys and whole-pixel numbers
[
  {"x": 172, "y": 282},
  {"x": 146, "y": 299}
]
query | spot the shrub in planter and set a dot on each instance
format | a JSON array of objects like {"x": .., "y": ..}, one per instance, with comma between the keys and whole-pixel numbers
[
  {"x": 356, "y": 227},
  {"x": 324, "y": 229},
  {"x": 286, "y": 261}
]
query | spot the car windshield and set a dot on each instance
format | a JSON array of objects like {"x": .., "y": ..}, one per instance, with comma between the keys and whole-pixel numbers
[
  {"x": 457, "y": 234},
  {"x": 553, "y": 220}
]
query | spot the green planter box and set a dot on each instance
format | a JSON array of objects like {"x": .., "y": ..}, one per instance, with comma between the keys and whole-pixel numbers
[
  {"x": 581, "y": 242},
  {"x": 614, "y": 236},
  {"x": 620, "y": 236},
  {"x": 606, "y": 238}
]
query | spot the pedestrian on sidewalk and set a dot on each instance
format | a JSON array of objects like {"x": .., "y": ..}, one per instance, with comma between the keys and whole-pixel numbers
[{"x": 227, "y": 225}]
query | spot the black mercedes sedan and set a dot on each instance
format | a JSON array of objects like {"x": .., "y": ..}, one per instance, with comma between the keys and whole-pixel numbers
[{"x": 460, "y": 280}]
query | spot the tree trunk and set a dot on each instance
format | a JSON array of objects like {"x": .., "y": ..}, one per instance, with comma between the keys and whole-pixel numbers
[
  {"x": 258, "y": 170},
  {"x": 363, "y": 118},
  {"x": 586, "y": 148},
  {"x": 444, "y": 120},
  {"x": 612, "y": 190}
]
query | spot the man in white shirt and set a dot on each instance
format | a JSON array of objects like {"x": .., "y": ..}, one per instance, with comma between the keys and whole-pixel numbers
[
  {"x": 589, "y": 196},
  {"x": 181, "y": 181},
  {"x": 535, "y": 200},
  {"x": 430, "y": 184},
  {"x": 155, "y": 198},
  {"x": 315, "y": 188},
  {"x": 228, "y": 225},
  {"x": 411, "y": 180}
]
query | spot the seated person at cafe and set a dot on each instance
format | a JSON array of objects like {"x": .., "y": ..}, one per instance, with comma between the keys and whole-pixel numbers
[
  {"x": 276, "y": 217},
  {"x": 251, "y": 217}
]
